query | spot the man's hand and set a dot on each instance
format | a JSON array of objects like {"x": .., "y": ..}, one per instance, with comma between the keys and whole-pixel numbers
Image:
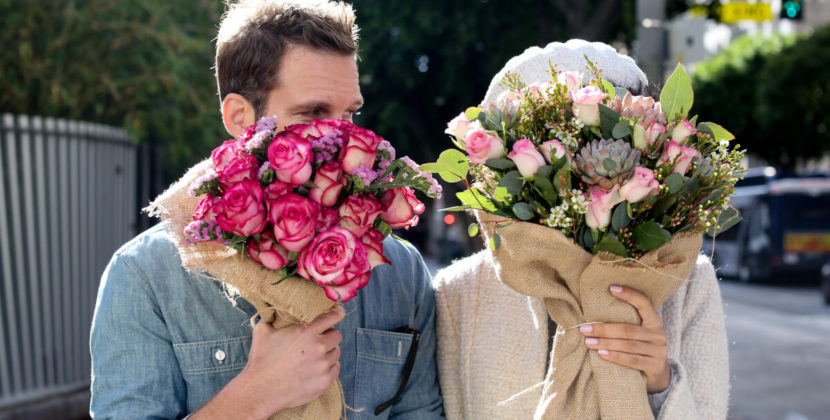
[
  {"x": 286, "y": 368},
  {"x": 642, "y": 347}
]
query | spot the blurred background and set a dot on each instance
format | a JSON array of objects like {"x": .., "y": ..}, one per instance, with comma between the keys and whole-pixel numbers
[{"x": 105, "y": 102}]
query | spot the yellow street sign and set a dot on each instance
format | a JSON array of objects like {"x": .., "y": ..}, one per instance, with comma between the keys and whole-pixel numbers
[{"x": 734, "y": 12}]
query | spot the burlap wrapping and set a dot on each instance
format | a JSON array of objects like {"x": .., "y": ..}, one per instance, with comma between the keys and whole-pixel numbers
[
  {"x": 539, "y": 261},
  {"x": 290, "y": 302}
]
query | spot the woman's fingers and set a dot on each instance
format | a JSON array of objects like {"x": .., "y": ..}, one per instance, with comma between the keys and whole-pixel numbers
[{"x": 640, "y": 302}]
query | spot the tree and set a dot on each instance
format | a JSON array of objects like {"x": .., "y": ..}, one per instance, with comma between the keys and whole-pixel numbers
[{"x": 771, "y": 92}]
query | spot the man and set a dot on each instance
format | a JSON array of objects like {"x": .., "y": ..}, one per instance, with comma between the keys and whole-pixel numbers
[{"x": 167, "y": 343}]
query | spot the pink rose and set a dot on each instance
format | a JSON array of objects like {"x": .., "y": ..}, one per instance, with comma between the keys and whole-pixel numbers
[
  {"x": 358, "y": 214},
  {"x": 632, "y": 106},
  {"x": 682, "y": 131},
  {"x": 586, "y": 104},
  {"x": 295, "y": 220},
  {"x": 639, "y": 186},
  {"x": 483, "y": 145},
  {"x": 246, "y": 136},
  {"x": 552, "y": 148},
  {"x": 684, "y": 156},
  {"x": 223, "y": 154},
  {"x": 538, "y": 89},
  {"x": 337, "y": 260},
  {"x": 241, "y": 209},
  {"x": 458, "y": 127},
  {"x": 205, "y": 209},
  {"x": 241, "y": 167},
  {"x": 328, "y": 218},
  {"x": 571, "y": 79},
  {"x": 644, "y": 136},
  {"x": 401, "y": 207},
  {"x": 600, "y": 203},
  {"x": 361, "y": 149},
  {"x": 276, "y": 190},
  {"x": 526, "y": 157},
  {"x": 268, "y": 252},
  {"x": 290, "y": 156},
  {"x": 328, "y": 182},
  {"x": 317, "y": 128},
  {"x": 373, "y": 241}
]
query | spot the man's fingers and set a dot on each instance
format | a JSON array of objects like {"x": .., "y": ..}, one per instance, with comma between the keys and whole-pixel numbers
[
  {"x": 331, "y": 339},
  {"x": 327, "y": 320},
  {"x": 640, "y": 302},
  {"x": 333, "y": 356}
]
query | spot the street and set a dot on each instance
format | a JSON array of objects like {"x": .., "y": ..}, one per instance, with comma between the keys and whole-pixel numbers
[{"x": 779, "y": 352}]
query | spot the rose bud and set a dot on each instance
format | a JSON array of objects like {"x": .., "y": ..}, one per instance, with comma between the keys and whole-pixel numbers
[
  {"x": 328, "y": 182},
  {"x": 239, "y": 168},
  {"x": 682, "y": 131},
  {"x": 645, "y": 136},
  {"x": 223, "y": 154},
  {"x": 600, "y": 203},
  {"x": 684, "y": 155},
  {"x": 526, "y": 157},
  {"x": 241, "y": 209},
  {"x": 295, "y": 220},
  {"x": 290, "y": 156},
  {"x": 586, "y": 104},
  {"x": 483, "y": 145},
  {"x": 276, "y": 190},
  {"x": 328, "y": 218},
  {"x": 361, "y": 149},
  {"x": 639, "y": 186},
  {"x": 373, "y": 241},
  {"x": 571, "y": 79},
  {"x": 552, "y": 148},
  {"x": 205, "y": 209},
  {"x": 358, "y": 214},
  {"x": 401, "y": 207},
  {"x": 268, "y": 252},
  {"x": 458, "y": 127},
  {"x": 245, "y": 137}
]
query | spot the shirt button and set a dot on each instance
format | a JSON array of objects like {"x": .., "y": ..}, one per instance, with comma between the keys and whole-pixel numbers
[{"x": 219, "y": 355}]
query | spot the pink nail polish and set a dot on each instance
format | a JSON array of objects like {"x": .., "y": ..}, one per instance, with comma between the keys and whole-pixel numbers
[
  {"x": 616, "y": 289},
  {"x": 591, "y": 341},
  {"x": 585, "y": 328},
  {"x": 603, "y": 352}
]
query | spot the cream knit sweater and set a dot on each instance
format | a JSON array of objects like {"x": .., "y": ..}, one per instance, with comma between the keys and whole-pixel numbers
[{"x": 493, "y": 343}]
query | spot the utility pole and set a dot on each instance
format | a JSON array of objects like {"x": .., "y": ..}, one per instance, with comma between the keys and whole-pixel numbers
[{"x": 651, "y": 47}]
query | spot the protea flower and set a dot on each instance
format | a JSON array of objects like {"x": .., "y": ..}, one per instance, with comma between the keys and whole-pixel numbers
[{"x": 606, "y": 162}]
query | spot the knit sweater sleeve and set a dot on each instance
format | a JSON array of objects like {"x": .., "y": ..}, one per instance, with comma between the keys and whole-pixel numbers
[{"x": 701, "y": 390}]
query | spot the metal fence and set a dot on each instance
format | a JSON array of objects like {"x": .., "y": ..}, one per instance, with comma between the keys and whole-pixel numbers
[{"x": 67, "y": 202}]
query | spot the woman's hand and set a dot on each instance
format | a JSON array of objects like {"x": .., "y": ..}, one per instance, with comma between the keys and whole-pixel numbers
[{"x": 642, "y": 347}]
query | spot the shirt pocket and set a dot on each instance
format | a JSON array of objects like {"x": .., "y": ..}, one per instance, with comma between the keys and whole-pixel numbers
[
  {"x": 381, "y": 356},
  {"x": 207, "y": 366}
]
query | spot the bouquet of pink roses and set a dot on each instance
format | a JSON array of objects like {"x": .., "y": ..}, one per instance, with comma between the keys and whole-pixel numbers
[
  {"x": 315, "y": 200},
  {"x": 294, "y": 221}
]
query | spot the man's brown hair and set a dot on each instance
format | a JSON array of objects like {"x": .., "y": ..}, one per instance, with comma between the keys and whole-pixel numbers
[{"x": 254, "y": 35}]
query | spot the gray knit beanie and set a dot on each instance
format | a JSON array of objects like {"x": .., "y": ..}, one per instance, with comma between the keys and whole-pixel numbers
[{"x": 532, "y": 65}]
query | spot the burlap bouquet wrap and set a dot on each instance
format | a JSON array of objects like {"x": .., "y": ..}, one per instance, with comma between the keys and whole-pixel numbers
[
  {"x": 539, "y": 261},
  {"x": 293, "y": 301}
]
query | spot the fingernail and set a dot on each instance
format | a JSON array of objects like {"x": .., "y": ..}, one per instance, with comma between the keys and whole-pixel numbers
[
  {"x": 585, "y": 328},
  {"x": 616, "y": 289},
  {"x": 603, "y": 352},
  {"x": 591, "y": 341}
]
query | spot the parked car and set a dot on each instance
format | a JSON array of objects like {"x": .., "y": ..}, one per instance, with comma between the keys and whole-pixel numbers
[{"x": 785, "y": 229}]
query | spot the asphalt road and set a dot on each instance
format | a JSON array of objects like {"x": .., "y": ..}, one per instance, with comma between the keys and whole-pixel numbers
[{"x": 779, "y": 352}]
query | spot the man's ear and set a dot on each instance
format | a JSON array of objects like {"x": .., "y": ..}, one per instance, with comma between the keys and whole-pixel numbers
[{"x": 237, "y": 114}]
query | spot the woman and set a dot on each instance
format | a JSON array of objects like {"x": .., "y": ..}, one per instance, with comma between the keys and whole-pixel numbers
[{"x": 494, "y": 343}]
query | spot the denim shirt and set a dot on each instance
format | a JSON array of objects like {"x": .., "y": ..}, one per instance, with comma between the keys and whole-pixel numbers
[{"x": 164, "y": 341}]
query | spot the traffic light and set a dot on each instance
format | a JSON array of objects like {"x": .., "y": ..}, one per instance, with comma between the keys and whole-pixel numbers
[{"x": 792, "y": 9}]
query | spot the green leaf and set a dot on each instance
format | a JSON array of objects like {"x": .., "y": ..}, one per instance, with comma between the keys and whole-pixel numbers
[
  {"x": 650, "y": 235},
  {"x": 456, "y": 208},
  {"x": 384, "y": 228},
  {"x": 621, "y": 129},
  {"x": 475, "y": 199},
  {"x": 557, "y": 164},
  {"x": 612, "y": 246},
  {"x": 433, "y": 167},
  {"x": 628, "y": 211},
  {"x": 608, "y": 88},
  {"x": 609, "y": 164},
  {"x": 677, "y": 95},
  {"x": 718, "y": 132},
  {"x": 674, "y": 182},
  {"x": 545, "y": 171},
  {"x": 690, "y": 185},
  {"x": 662, "y": 205},
  {"x": 620, "y": 217},
  {"x": 587, "y": 239},
  {"x": 562, "y": 180},
  {"x": 714, "y": 196},
  {"x": 502, "y": 194},
  {"x": 472, "y": 230},
  {"x": 545, "y": 187},
  {"x": 523, "y": 211},
  {"x": 512, "y": 181},
  {"x": 728, "y": 218},
  {"x": 500, "y": 164},
  {"x": 693, "y": 120},
  {"x": 456, "y": 165},
  {"x": 619, "y": 91},
  {"x": 473, "y": 112},
  {"x": 495, "y": 241},
  {"x": 608, "y": 118}
]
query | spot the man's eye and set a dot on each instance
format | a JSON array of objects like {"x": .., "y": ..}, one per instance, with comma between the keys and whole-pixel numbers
[{"x": 316, "y": 112}]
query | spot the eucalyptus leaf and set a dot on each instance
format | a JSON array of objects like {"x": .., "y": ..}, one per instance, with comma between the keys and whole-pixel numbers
[
  {"x": 674, "y": 182},
  {"x": 587, "y": 239},
  {"x": 612, "y": 246},
  {"x": 545, "y": 187},
  {"x": 523, "y": 211},
  {"x": 620, "y": 218},
  {"x": 608, "y": 118},
  {"x": 690, "y": 185},
  {"x": 650, "y": 235},
  {"x": 512, "y": 181},
  {"x": 433, "y": 167},
  {"x": 500, "y": 164},
  {"x": 545, "y": 171},
  {"x": 475, "y": 199},
  {"x": 473, "y": 112},
  {"x": 502, "y": 194},
  {"x": 472, "y": 230},
  {"x": 495, "y": 241},
  {"x": 622, "y": 129},
  {"x": 728, "y": 218},
  {"x": 677, "y": 95},
  {"x": 456, "y": 208},
  {"x": 663, "y": 205}
]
